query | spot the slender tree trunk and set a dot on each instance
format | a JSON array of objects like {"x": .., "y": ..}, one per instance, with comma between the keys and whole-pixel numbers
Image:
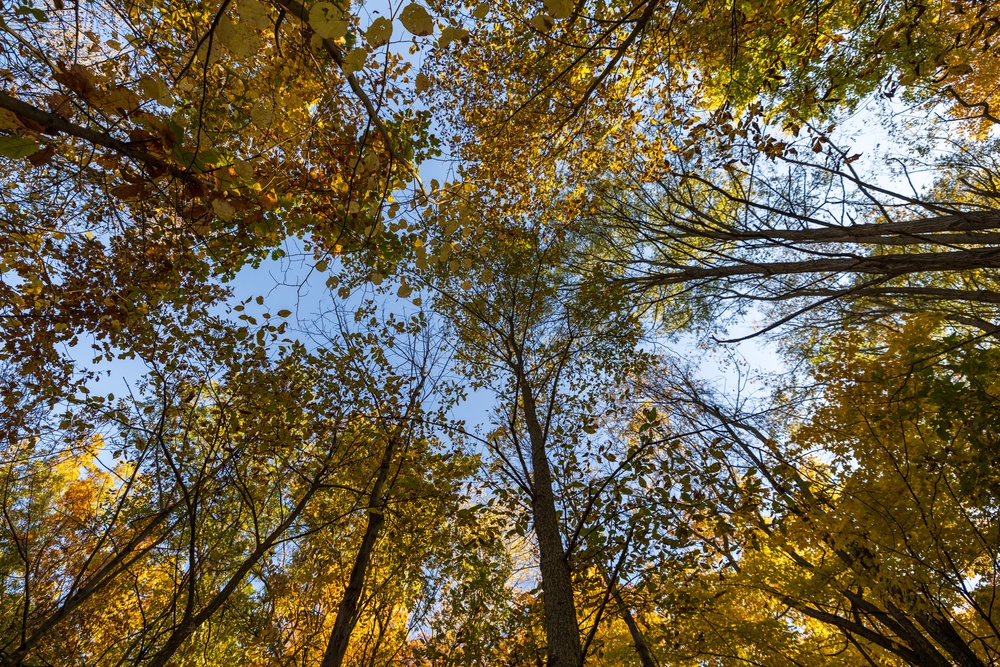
[
  {"x": 645, "y": 657},
  {"x": 347, "y": 612},
  {"x": 182, "y": 632},
  {"x": 134, "y": 549},
  {"x": 562, "y": 631}
]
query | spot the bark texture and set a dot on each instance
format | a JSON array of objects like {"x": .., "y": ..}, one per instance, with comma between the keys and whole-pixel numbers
[{"x": 562, "y": 630}]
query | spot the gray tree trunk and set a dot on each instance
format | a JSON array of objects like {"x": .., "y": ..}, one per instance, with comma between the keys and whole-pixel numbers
[{"x": 562, "y": 631}]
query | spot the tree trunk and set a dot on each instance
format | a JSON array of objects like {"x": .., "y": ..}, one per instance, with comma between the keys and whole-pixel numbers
[
  {"x": 645, "y": 657},
  {"x": 347, "y": 612},
  {"x": 182, "y": 632},
  {"x": 562, "y": 632}
]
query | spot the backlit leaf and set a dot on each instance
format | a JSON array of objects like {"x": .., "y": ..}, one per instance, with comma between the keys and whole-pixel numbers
[{"x": 416, "y": 20}]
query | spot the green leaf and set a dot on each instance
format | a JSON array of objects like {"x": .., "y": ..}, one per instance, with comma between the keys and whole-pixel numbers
[{"x": 17, "y": 147}]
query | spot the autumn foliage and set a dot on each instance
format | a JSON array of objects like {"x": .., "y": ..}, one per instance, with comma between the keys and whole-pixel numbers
[{"x": 407, "y": 333}]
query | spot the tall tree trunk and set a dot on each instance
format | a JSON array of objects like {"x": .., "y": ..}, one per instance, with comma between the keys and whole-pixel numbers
[
  {"x": 562, "y": 631},
  {"x": 347, "y": 612}
]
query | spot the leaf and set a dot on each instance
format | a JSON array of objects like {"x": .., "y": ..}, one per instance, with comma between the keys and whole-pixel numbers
[
  {"x": 42, "y": 157},
  {"x": 379, "y": 32},
  {"x": 128, "y": 191},
  {"x": 422, "y": 83},
  {"x": 255, "y": 13},
  {"x": 542, "y": 22},
  {"x": 559, "y": 9},
  {"x": 284, "y": 312},
  {"x": 450, "y": 34},
  {"x": 17, "y": 147},
  {"x": 416, "y": 20},
  {"x": 262, "y": 114},
  {"x": 241, "y": 40},
  {"x": 355, "y": 60},
  {"x": 481, "y": 11},
  {"x": 327, "y": 20},
  {"x": 223, "y": 209},
  {"x": 156, "y": 88}
]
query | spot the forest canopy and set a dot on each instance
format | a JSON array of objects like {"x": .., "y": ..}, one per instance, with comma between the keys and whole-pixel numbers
[{"x": 369, "y": 333}]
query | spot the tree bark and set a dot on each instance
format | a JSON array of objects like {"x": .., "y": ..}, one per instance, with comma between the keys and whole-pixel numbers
[
  {"x": 641, "y": 649},
  {"x": 562, "y": 630},
  {"x": 887, "y": 265},
  {"x": 347, "y": 612}
]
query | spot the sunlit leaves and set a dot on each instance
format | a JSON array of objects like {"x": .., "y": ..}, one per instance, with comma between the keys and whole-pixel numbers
[
  {"x": 254, "y": 13},
  {"x": 354, "y": 61},
  {"x": 560, "y": 9}
]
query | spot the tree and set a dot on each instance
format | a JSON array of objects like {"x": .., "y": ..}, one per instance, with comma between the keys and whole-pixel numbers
[
  {"x": 539, "y": 340},
  {"x": 870, "y": 520}
]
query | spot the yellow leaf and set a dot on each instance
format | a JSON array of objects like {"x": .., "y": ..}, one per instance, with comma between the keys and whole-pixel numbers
[
  {"x": 481, "y": 11},
  {"x": 255, "y": 13},
  {"x": 450, "y": 34},
  {"x": 243, "y": 169},
  {"x": 422, "y": 83},
  {"x": 262, "y": 114},
  {"x": 225, "y": 30},
  {"x": 8, "y": 121},
  {"x": 241, "y": 40},
  {"x": 268, "y": 200},
  {"x": 466, "y": 285},
  {"x": 327, "y": 20},
  {"x": 156, "y": 88},
  {"x": 416, "y": 20},
  {"x": 559, "y": 9},
  {"x": 379, "y": 32}
]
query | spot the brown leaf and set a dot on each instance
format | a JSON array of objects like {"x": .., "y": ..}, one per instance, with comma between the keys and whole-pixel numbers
[
  {"x": 128, "y": 191},
  {"x": 60, "y": 105},
  {"x": 42, "y": 157},
  {"x": 78, "y": 79}
]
